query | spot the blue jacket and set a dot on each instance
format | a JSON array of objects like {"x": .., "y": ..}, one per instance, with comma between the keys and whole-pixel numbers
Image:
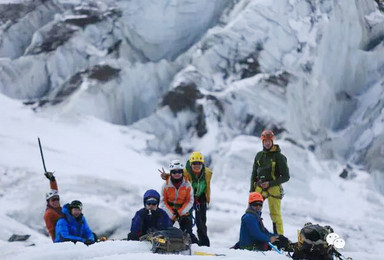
[
  {"x": 253, "y": 234},
  {"x": 146, "y": 221},
  {"x": 70, "y": 229}
]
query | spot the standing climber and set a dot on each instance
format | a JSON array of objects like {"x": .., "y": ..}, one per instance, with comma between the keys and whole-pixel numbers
[
  {"x": 270, "y": 170},
  {"x": 200, "y": 177}
]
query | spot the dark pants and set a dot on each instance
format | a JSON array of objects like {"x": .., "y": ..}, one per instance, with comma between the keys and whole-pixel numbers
[
  {"x": 201, "y": 220},
  {"x": 185, "y": 223}
]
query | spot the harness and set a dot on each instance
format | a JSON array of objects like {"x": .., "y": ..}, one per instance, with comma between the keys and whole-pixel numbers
[{"x": 273, "y": 171}]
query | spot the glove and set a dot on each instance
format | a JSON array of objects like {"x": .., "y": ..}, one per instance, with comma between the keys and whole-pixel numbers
[
  {"x": 89, "y": 242},
  {"x": 50, "y": 176}
]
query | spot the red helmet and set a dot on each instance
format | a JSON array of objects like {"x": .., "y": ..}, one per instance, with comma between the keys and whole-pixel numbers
[
  {"x": 267, "y": 135},
  {"x": 255, "y": 196}
]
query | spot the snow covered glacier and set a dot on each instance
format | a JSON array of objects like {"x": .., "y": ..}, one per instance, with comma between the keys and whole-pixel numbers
[
  {"x": 319, "y": 62},
  {"x": 180, "y": 75}
]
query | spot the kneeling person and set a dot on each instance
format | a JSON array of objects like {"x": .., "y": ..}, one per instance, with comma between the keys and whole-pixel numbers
[
  {"x": 150, "y": 218},
  {"x": 73, "y": 226},
  {"x": 177, "y": 198},
  {"x": 253, "y": 234}
]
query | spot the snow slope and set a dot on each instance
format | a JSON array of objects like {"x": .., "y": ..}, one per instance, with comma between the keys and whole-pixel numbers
[{"x": 103, "y": 165}]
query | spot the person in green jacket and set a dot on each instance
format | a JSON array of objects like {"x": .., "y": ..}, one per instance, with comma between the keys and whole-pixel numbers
[
  {"x": 270, "y": 170},
  {"x": 199, "y": 175}
]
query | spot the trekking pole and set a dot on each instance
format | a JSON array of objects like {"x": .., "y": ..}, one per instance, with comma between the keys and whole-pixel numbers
[
  {"x": 275, "y": 248},
  {"x": 42, "y": 156}
]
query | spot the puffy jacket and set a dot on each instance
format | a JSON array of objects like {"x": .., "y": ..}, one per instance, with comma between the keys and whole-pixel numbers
[
  {"x": 195, "y": 181},
  {"x": 270, "y": 165},
  {"x": 253, "y": 234},
  {"x": 146, "y": 221},
  {"x": 51, "y": 215},
  {"x": 173, "y": 198},
  {"x": 68, "y": 228}
]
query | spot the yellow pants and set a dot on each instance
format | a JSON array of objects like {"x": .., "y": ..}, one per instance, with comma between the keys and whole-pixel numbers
[{"x": 274, "y": 206}]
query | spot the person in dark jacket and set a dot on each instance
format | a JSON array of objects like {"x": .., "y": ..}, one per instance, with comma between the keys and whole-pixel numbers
[
  {"x": 73, "y": 226},
  {"x": 150, "y": 218},
  {"x": 253, "y": 234},
  {"x": 270, "y": 171}
]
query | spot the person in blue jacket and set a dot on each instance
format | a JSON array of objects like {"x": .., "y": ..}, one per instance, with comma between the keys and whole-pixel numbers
[
  {"x": 150, "y": 218},
  {"x": 73, "y": 226},
  {"x": 253, "y": 234}
]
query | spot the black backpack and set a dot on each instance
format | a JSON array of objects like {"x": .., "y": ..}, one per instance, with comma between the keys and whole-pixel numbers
[
  {"x": 171, "y": 240},
  {"x": 312, "y": 243}
]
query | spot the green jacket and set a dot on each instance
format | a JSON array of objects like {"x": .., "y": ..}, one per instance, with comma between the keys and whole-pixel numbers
[
  {"x": 270, "y": 166},
  {"x": 202, "y": 184}
]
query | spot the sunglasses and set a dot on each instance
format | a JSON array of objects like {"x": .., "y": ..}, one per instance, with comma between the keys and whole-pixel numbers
[
  {"x": 55, "y": 199},
  {"x": 177, "y": 172},
  {"x": 151, "y": 203},
  {"x": 197, "y": 163},
  {"x": 257, "y": 204}
]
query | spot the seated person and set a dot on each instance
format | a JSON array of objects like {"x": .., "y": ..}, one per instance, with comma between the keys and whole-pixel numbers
[
  {"x": 53, "y": 210},
  {"x": 253, "y": 234},
  {"x": 150, "y": 218},
  {"x": 73, "y": 226}
]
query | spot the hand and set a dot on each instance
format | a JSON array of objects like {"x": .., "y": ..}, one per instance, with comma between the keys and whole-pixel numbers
[
  {"x": 265, "y": 185},
  {"x": 163, "y": 173},
  {"x": 274, "y": 239},
  {"x": 50, "y": 176},
  {"x": 89, "y": 242}
]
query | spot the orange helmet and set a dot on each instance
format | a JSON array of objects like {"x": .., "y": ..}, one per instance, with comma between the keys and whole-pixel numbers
[
  {"x": 255, "y": 196},
  {"x": 267, "y": 135}
]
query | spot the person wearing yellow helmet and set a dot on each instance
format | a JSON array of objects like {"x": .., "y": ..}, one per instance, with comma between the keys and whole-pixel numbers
[
  {"x": 270, "y": 170},
  {"x": 200, "y": 177}
]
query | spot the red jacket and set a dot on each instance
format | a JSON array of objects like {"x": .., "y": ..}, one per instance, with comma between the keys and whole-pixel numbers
[{"x": 51, "y": 215}]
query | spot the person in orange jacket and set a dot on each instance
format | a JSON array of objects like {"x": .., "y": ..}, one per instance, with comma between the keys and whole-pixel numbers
[
  {"x": 177, "y": 198},
  {"x": 53, "y": 210},
  {"x": 199, "y": 175}
]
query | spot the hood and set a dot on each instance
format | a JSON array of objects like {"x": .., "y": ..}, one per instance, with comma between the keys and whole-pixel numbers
[
  {"x": 151, "y": 194},
  {"x": 275, "y": 148},
  {"x": 68, "y": 216}
]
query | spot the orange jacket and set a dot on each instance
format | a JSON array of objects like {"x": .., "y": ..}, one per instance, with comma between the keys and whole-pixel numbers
[
  {"x": 180, "y": 199},
  {"x": 51, "y": 215}
]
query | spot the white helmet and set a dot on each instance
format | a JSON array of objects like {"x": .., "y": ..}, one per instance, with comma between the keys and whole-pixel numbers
[
  {"x": 176, "y": 165},
  {"x": 51, "y": 194}
]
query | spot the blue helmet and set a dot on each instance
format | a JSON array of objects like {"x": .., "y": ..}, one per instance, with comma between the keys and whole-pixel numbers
[{"x": 151, "y": 194}]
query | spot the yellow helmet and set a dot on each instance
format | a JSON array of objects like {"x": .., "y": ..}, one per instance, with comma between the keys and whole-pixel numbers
[{"x": 196, "y": 157}]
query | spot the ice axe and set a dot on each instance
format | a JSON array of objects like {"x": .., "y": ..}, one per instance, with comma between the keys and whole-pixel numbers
[{"x": 42, "y": 155}]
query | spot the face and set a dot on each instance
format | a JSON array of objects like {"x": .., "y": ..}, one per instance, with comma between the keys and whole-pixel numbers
[
  {"x": 151, "y": 205},
  {"x": 54, "y": 202},
  {"x": 177, "y": 174},
  {"x": 76, "y": 212},
  {"x": 197, "y": 166},
  {"x": 267, "y": 144},
  {"x": 257, "y": 205}
]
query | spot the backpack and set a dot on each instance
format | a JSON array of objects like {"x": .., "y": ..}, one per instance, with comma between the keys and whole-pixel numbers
[
  {"x": 170, "y": 240},
  {"x": 312, "y": 243}
]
